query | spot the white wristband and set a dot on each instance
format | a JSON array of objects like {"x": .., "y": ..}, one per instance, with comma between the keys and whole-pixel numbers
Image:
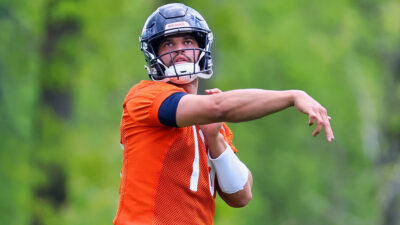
[{"x": 231, "y": 172}]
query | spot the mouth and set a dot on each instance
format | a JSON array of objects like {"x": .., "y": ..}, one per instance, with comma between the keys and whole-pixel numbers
[{"x": 181, "y": 59}]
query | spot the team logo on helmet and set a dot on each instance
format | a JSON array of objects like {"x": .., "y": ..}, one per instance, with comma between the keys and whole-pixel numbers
[{"x": 176, "y": 24}]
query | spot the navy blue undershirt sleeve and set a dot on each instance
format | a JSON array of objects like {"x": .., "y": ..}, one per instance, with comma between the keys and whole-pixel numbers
[{"x": 167, "y": 110}]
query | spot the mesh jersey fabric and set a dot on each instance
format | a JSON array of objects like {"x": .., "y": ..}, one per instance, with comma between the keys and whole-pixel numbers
[{"x": 165, "y": 175}]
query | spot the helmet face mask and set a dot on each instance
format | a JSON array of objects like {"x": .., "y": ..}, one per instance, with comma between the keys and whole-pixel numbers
[{"x": 173, "y": 20}]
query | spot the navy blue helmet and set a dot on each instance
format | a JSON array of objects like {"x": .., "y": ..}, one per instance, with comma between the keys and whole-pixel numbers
[{"x": 174, "y": 19}]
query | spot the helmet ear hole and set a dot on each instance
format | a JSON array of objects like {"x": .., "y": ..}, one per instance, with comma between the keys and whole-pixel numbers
[
  {"x": 160, "y": 71},
  {"x": 200, "y": 38},
  {"x": 204, "y": 62}
]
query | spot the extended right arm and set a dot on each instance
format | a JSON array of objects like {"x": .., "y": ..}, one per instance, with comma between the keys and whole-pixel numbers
[{"x": 249, "y": 104}]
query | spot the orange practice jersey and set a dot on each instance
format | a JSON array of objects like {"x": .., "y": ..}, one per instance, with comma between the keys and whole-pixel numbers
[{"x": 166, "y": 177}]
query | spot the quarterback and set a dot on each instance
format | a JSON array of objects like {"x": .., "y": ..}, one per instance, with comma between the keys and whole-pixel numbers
[{"x": 177, "y": 150}]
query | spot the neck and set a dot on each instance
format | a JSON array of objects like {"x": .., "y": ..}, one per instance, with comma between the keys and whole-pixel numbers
[{"x": 191, "y": 87}]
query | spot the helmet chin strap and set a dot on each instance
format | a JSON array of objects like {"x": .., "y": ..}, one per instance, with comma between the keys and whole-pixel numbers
[{"x": 182, "y": 73}]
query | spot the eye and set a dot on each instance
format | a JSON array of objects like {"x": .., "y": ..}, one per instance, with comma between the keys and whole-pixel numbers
[
  {"x": 168, "y": 44},
  {"x": 189, "y": 42}
]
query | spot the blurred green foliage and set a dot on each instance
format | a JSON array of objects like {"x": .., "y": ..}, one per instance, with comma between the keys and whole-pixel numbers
[{"x": 65, "y": 66}]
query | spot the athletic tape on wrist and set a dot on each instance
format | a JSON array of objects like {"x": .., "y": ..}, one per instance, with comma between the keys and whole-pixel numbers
[{"x": 231, "y": 172}]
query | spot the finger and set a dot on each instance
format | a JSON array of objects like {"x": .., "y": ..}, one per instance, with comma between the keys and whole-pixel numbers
[
  {"x": 320, "y": 123},
  {"x": 328, "y": 132},
  {"x": 328, "y": 128},
  {"x": 317, "y": 130},
  {"x": 327, "y": 125},
  {"x": 311, "y": 119},
  {"x": 213, "y": 91}
]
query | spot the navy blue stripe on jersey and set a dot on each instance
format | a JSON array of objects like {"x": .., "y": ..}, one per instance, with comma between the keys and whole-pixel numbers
[{"x": 167, "y": 110}]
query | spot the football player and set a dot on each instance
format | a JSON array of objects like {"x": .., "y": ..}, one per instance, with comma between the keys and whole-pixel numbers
[{"x": 178, "y": 153}]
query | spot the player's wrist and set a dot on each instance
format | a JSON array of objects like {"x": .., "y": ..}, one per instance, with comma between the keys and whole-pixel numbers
[
  {"x": 216, "y": 145},
  {"x": 232, "y": 173},
  {"x": 214, "y": 138},
  {"x": 295, "y": 96}
]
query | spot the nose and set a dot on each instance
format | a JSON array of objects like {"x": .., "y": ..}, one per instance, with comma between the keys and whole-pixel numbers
[{"x": 180, "y": 49}]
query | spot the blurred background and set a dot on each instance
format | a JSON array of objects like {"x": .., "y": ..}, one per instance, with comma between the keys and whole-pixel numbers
[{"x": 66, "y": 65}]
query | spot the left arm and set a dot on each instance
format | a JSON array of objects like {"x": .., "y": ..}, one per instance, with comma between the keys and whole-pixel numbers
[
  {"x": 240, "y": 198},
  {"x": 231, "y": 173}
]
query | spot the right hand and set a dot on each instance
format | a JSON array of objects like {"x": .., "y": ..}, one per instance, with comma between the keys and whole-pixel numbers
[{"x": 316, "y": 113}]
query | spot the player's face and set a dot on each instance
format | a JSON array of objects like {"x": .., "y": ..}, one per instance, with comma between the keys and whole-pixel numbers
[{"x": 177, "y": 43}]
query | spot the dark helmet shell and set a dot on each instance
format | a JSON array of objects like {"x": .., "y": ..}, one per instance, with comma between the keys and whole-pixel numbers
[{"x": 173, "y": 19}]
